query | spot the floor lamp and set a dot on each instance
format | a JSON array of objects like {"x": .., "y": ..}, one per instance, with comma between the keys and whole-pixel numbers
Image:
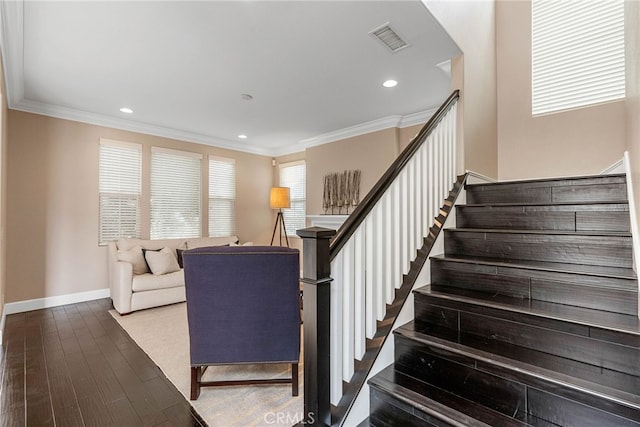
[{"x": 279, "y": 199}]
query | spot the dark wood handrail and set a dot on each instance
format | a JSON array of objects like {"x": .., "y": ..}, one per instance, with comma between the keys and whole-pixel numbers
[{"x": 362, "y": 210}]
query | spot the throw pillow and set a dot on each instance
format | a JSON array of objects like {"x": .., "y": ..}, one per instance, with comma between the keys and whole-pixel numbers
[
  {"x": 136, "y": 258},
  {"x": 237, "y": 244},
  {"x": 162, "y": 262},
  {"x": 179, "y": 254},
  {"x": 144, "y": 254}
]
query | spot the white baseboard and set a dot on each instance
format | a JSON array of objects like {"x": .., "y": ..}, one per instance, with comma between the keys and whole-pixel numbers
[
  {"x": 478, "y": 178},
  {"x": 635, "y": 231},
  {"x": 46, "y": 302},
  {"x": 616, "y": 168}
]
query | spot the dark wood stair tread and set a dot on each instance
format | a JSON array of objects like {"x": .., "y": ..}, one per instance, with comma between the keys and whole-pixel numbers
[
  {"x": 607, "y": 320},
  {"x": 560, "y": 181},
  {"x": 437, "y": 402},
  {"x": 541, "y": 232},
  {"x": 623, "y": 204},
  {"x": 570, "y": 368},
  {"x": 590, "y": 270},
  {"x": 521, "y": 365}
]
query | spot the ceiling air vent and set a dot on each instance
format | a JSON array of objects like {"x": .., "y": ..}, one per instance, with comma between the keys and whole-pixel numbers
[{"x": 389, "y": 37}]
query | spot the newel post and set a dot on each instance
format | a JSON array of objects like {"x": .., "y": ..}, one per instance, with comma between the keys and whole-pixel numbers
[{"x": 316, "y": 314}]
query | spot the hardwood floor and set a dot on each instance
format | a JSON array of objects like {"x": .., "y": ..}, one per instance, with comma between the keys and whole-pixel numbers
[{"x": 75, "y": 366}]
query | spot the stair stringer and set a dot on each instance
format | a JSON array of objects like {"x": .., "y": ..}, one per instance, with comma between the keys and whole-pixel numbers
[
  {"x": 359, "y": 410},
  {"x": 633, "y": 213}
]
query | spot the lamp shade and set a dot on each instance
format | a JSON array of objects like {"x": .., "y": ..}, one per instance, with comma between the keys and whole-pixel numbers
[{"x": 279, "y": 198}]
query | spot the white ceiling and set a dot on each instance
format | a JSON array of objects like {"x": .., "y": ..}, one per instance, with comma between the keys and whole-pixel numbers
[{"x": 313, "y": 69}]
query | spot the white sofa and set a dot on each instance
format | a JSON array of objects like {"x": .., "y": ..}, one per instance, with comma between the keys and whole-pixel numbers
[{"x": 133, "y": 287}]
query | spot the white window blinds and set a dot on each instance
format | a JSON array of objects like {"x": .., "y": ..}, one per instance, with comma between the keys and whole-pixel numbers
[
  {"x": 294, "y": 176},
  {"x": 175, "y": 194},
  {"x": 120, "y": 182},
  {"x": 222, "y": 197},
  {"x": 577, "y": 53}
]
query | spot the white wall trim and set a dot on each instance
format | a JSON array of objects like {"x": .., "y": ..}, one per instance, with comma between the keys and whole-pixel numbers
[
  {"x": 46, "y": 302},
  {"x": 635, "y": 233},
  {"x": 12, "y": 39},
  {"x": 616, "y": 168},
  {"x": 2, "y": 321},
  {"x": 478, "y": 178},
  {"x": 165, "y": 132},
  {"x": 361, "y": 129}
]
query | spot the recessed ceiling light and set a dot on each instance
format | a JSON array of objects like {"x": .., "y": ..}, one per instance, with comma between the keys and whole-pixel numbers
[
  {"x": 242, "y": 136},
  {"x": 126, "y": 110},
  {"x": 390, "y": 83}
]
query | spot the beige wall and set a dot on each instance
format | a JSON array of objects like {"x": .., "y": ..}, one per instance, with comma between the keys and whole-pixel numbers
[
  {"x": 405, "y": 135},
  {"x": 632, "y": 56},
  {"x": 52, "y": 199},
  {"x": 371, "y": 153},
  {"x": 576, "y": 142},
  {"x": 471, "y": 24},
  {"x": 3, "y": 187}
]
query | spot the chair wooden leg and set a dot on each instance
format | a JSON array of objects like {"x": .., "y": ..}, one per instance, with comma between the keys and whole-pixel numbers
[
  {"x": 294, "y": 379},
  {"x": 195, "y": 382}
]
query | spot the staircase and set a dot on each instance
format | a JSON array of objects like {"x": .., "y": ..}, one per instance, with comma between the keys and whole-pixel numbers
[{"x": 530, "y": 318}]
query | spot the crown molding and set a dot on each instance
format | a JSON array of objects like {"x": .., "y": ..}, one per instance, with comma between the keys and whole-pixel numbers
[
  {"x": 361, "y": 129},
  {"x": 12, "y": 47},
  {"x": 133, "y": 126},
  {"x": 12, "y": 50},
  {"x": 418, "y": 118},
  {"x": 66, "y": 113}
]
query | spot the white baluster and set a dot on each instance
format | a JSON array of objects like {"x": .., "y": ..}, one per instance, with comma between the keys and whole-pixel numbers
[
  {"x": 432, "y": 176},
  {"x": 359, "y": 293},
  {"x": 372, "y": 263},
  {"x": 426, "y": 221},
  {"x": 389, "y": 280},
  {"x": 348, "y": 291},
  {"x": 404, "y": 222},
  {"x": 378, "y": 253},
  {"x": 454, "y": 138},
  {"x": 419, "y": 189},
  {"x": 336, "y": 331},
  {"x": 411, "y": 207},
  {"x": 369, "y": 294},
  {"x": 396, "y": 240}
]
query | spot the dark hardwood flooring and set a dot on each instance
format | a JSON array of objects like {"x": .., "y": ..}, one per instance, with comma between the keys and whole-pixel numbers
[{"x": 75, "y": 366}]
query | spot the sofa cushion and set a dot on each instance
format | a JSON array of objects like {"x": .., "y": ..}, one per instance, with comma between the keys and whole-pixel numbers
[
  {"x": 152, "y": 244},
  {"x": 134, "y": 256},
  {"x": 149, "y": 282},
  {"x": 162, "y": 262},
  {"x": 202, "y": 242}
]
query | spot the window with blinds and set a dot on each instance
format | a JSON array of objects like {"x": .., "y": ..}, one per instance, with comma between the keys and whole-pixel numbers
[
  {"x": 577, "y": 53},
  {"x": 175, "y": 194},
  {"x": 120, "y": 184},
  {"x": 222, "y": 197},
  {"x": 294, "y": 176}
]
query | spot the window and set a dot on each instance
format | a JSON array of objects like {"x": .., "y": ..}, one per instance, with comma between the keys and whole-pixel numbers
[
  {"x": 294, "y": 176},
  {"x": 577, "y": 53},
  {"x": 120, "y": 183},
  {"x": 222, "y": 197},
  {"x": 175, "y": 194}
]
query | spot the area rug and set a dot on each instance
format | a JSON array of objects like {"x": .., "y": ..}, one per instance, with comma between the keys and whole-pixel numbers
[{"x": 163, "y": 334}]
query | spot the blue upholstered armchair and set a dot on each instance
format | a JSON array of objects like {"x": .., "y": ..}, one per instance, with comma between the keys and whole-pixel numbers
[{"x": 243, "y": 306}]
